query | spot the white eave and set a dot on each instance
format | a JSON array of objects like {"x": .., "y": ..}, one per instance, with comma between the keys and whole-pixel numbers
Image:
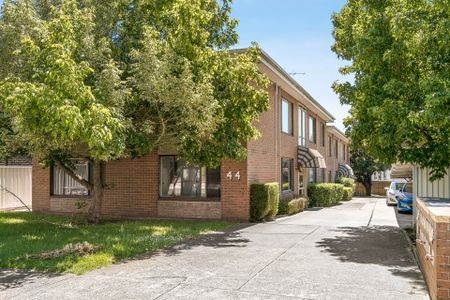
[{"x": 338, "y": 133}]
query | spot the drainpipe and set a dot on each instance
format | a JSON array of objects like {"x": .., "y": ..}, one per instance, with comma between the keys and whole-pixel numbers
[{"x": 275, "y": 106}]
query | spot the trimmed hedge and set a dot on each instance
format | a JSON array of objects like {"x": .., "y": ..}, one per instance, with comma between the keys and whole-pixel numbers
[
  {"x": 347, "y": 182},
  {"x": 264, "y": 199},
  {"x": 325, "y": 194},
  {"x": 348, "y": 193},
  {"x": 292, "y": 206}
]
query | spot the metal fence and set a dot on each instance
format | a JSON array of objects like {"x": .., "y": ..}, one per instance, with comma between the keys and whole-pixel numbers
[{"x": 16, "y": 179}]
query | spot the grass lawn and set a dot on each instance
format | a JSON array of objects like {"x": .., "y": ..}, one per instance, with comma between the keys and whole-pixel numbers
[{"x": 25, "y": 234}]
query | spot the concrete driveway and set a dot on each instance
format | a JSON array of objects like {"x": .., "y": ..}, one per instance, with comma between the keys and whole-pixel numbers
[{"x": 351, "y": 251}]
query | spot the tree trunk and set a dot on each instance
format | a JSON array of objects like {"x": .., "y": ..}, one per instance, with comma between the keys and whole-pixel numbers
[
  {"x": 97, "y": 191},
  {"x": 368, "y": 186}
]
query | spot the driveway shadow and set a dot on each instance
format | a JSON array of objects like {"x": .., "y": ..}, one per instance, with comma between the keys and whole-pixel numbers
[
  {"x": 10, "y": 278},
  {"x": 380, "y": 245},
  {"x": 228, "y": 238}
]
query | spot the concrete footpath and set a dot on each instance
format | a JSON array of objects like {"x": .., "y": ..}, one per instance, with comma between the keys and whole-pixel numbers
[{"x": 355, "y": 250}]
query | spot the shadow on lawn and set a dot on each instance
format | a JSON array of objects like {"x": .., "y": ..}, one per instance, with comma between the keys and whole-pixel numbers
[
  {"x": 380, "y": 245},
  {"x": 15, "y": 278}
]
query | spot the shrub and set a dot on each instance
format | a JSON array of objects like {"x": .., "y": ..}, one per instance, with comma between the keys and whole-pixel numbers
[
  {"x": 292, "y": 206},
  {"x": 348, "y": 193},
  {"x": 347, "y": 182},
  {"x": 264, "y": 200},
  {"x": 325, "y": 194}
]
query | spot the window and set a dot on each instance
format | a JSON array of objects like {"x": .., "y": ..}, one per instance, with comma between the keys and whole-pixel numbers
[
  {"x": 322, "y": 134},
  {"x": 301, "y": 127},
  {"x": 330, "y": 176},
  {"x": 301, "y": 183},
  {"x": 286, "y": 116},
  {"x": 330, "y": 146},
  {"x": 312, "y": 130},
  {"x": 324, "y": 179},
  {"x": 181, "y": 180},
  {"x": 286, "y": 174},
  {"x": 312, "y": 175},
  {"x": 64, "y": 185},
  {"x": 344, "y": 150},
  {"x": 336, "y": 148}
]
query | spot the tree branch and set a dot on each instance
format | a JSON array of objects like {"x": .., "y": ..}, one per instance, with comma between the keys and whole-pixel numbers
[{"x": 75, "y": 176}]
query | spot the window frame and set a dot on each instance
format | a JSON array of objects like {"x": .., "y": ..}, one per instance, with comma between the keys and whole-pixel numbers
[
  {"x": 203, "y": 174},
  {"x": 52, "y": 181},
  {"x": 289, "y": 116},
  {"x": 322, "y": 134},
  {"x": 313, "y": 131},
  {"x": 290, "y": 177},
  {"x": 301, "y": 126}
]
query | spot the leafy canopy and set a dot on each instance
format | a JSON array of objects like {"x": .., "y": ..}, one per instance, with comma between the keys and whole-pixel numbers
[
  {"x": 399, "y": 53},
  {"x": 118, "y": 79}
]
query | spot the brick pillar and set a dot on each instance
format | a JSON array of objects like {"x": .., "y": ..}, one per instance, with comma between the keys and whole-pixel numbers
[{"x": 234, "y": 191}]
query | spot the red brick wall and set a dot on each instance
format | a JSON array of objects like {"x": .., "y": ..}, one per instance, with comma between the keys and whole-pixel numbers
[
  {"x": 40, "y": 188},
  {"x": 134, "y": 192},
  {"x": 433, "y": 238}
]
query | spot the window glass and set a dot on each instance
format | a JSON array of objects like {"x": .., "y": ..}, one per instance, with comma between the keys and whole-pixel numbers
[
  {"x": 330, "y": 146},
  {"x": 179, "y": 179},
  {"x": 301, "y": 127},
  {"x": 312, "y": 130},
  {"x": 286, "y": 116},
  {"x": 322, "y": 134},
  {"x": 64, "y": 185},
  {"x": 312, "y": 175},
  {"x": 336, "y": 148},
  {"x": 301, "y": 183},
  {"x": 286, "y": 173}
]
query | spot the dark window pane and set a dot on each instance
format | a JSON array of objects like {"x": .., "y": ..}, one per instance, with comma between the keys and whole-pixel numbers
[
  {"x": 213, "y": 183},
  {"x": 286, "y": 173}
]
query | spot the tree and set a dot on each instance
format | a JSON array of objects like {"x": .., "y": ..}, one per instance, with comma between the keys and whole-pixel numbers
[
  {"x": 363, "y": 167},
  {"x": 80, "y": 79},
  {"x": 399, "y": 54}
]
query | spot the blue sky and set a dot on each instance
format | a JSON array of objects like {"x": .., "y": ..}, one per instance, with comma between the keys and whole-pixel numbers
[{"x": 297, "y": 34}]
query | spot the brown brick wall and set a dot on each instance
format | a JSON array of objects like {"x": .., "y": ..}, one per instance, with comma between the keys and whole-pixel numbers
[
  {"x": 40, "y": 188},
  {"x": 189, "y": 209},
  {"x": 133, "y": 192},
  {"x": 433, "y": 238}
]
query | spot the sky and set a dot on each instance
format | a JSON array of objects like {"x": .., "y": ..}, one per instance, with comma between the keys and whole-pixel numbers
[{"x": 297, "y": 35}]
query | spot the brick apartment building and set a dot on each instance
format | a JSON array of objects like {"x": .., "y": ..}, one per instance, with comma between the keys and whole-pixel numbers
[{"x": 293, "y": 150}]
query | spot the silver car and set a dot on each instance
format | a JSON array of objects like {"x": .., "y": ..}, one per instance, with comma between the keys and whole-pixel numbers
[{"x": 392, "y": 192}]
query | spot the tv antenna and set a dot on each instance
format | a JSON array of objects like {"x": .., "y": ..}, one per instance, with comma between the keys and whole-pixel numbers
[{"x": 297, "y": 73}]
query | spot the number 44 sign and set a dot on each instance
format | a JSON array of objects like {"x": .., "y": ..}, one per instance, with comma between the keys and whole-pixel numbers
[{"x": 236, "y": 176}]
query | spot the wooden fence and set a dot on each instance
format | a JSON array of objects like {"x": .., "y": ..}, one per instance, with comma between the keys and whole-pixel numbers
[{"x": 377, "y": 188}]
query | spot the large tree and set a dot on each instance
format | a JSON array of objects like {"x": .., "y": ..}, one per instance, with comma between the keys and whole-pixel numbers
[
  {"x": 399, "y": 53},
  {"x": 364, "y": 166},
  {"x": 118, "y": 79}
]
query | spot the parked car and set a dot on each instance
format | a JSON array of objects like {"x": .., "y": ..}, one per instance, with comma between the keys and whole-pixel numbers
[
  {"x": 405, "y": 198},
  {"x": 392, "y": 192}
]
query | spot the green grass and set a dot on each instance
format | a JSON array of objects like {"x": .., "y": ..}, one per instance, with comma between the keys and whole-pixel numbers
[{"x": 22, "y": 234}]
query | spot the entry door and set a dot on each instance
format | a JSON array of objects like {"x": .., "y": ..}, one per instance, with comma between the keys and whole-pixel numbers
[{"x": 301, "y": 182}]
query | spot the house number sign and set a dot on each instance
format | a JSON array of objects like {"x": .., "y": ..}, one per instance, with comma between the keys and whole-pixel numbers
[{"x": 236, "y": 176}]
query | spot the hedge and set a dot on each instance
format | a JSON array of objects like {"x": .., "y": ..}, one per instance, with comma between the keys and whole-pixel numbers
[
  {"x": 264, "y": 199},
  {"x": 292, "y": 206},
  {"x": 347, "y": 182},
  {"x": 348, "y": 193},
  {"x": 325, "y": 194}
]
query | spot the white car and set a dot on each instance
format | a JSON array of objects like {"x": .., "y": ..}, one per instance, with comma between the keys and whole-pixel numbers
[{"x": 392, "y": 192}]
